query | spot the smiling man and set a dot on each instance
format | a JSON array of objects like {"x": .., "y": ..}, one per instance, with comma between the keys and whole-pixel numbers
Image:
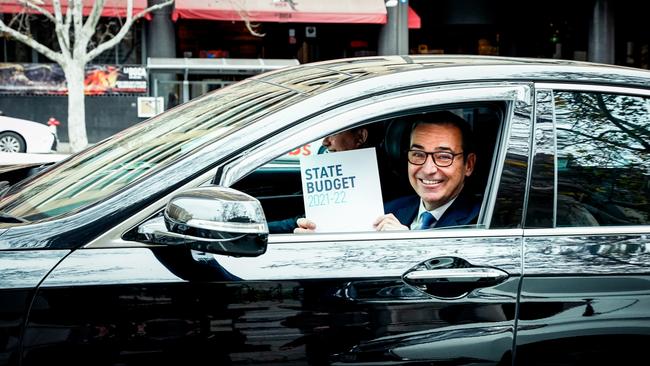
[{"x": 440, "y": 157}]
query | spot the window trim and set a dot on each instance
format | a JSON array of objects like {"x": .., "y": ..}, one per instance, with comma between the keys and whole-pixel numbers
[
  {"x": 593, "y": 88},
  {"x": 584, "y": 88},
  {"x": 397, "y": 103}
]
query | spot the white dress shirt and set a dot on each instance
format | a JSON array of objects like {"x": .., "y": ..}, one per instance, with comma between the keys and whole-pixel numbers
[{"x": 437, "y": 213}]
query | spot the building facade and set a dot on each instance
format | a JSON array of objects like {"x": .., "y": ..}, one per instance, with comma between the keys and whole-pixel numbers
[{"x": 198, "y": 45}]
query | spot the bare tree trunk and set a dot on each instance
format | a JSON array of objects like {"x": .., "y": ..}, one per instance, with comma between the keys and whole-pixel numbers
[{"x": 74, "y": 74}]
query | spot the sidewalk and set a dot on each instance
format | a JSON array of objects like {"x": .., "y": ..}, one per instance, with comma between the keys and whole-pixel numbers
[{"x": 63, "y": 148}]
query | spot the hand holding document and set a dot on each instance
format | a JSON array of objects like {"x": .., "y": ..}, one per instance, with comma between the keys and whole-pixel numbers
[{"x": 341, "y": 190}]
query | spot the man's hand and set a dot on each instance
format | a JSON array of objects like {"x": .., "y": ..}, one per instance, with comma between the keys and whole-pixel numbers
[
  {"x": 388, "y": 222},
  {"x": 304, "y": 226}
]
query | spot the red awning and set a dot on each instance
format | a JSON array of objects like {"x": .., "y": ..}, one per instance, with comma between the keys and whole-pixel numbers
[
  {"x": 112, "y": 8},
  {"x": 284, "y": 11},
  {"x": 414, "y": 19}
]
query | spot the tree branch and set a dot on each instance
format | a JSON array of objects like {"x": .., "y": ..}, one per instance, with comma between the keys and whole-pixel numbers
[
  {"x": 620, "y": 123},
  {"x": 125, "y": 28},
  {"x": 62, "y": 36},
  {"x": 66, "y": 27},
  {"x": 56, "y": 57},
  {"x": 597, "y": 138},
  {"x": 90, "y": 26},
  {"x": 32, "y": 5}
]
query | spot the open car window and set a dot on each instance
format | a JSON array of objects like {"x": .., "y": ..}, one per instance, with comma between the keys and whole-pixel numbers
[
  {"x": 278, "y": 185},
  {"x": 293, "y": 157}
]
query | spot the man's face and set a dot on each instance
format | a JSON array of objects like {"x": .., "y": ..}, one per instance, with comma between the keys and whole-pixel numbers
[
  {"x": 344, "y": 141},
  {"x": 438, "y": 185}
]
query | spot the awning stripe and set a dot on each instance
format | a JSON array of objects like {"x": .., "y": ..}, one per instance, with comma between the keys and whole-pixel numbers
[
  {"x": 112, "y": 8},
  {"x": 279, "y": 11},
  {"x": 285, "y": 11}
]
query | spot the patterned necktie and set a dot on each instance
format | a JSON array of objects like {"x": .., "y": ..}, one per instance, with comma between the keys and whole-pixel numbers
[{"x": 427, "y": 221}]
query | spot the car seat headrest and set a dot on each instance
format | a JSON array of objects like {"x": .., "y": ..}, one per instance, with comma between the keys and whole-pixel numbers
[{"x": 395, "y": 144}]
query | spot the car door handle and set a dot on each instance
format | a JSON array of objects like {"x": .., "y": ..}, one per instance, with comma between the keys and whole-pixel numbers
[
  {"x": 454, "y": 282},
  {"x": 478, "y": 275}
]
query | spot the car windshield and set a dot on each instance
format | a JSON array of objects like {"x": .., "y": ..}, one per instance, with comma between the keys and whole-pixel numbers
[{"x": 101, "y": 170}]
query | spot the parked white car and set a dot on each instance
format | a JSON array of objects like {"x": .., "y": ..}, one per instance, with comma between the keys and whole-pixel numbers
[{"x": 20, "y": 135}]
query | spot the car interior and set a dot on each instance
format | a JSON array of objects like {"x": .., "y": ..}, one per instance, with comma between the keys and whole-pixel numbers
[{"x": 277, "y": 184}]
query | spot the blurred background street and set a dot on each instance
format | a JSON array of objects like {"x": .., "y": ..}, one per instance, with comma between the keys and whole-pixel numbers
[{"x": 184, "y": 50}]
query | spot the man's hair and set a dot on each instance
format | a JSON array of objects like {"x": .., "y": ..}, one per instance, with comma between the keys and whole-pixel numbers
[
  {"x": 375, "y": 134},
  {"x": 448, "y": 118}
]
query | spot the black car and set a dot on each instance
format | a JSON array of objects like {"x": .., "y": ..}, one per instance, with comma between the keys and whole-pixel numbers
[{"x": 152, "y": 247}]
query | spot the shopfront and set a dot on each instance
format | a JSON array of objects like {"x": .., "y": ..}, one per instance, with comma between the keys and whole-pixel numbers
[{"x": 177, "y": 80}]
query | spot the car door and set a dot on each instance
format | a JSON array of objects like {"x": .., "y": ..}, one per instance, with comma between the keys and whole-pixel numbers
[
  {"x": 22, "y": 271},
  {"x": 585, "y": 296},
  {"x": 310, "y": 299}
]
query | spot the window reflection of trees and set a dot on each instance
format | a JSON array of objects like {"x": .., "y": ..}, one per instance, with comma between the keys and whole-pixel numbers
[{"x": 603, "y": 141}]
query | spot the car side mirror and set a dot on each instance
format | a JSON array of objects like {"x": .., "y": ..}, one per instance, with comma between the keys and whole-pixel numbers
[{"x": 211, "y": 219}]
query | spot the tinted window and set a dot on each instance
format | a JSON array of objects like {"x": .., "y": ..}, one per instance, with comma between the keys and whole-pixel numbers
[{"x": 603, "y": 165}]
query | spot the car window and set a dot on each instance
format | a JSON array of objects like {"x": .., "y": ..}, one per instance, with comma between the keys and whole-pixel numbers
[
  {"x": 308, "y": 149},
  {"x": 277, "y": 184},
  {"x": 603, "y": 165},
  {"x": 127, "y": 157}
]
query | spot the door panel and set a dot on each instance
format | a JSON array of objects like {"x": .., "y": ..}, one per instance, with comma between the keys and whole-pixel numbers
[
  {"x": 13, "y": 306},
  {"x": 370, "y": 255},
  {"x": 20, "y": 272},
  {"x": 585, "y": 296},
  {"x": 574, "y": 320},
  {"x": 134, "y": 306}
]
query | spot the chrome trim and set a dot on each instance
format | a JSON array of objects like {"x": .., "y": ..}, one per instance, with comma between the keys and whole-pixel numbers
[
  {"x": 186, "y": 239},
  {"x": 516, "y": 155},
  {"x": 555, "y": 166},
  {"x": 588, "y": 231},
  {"x": 531, "y": 154},
  {"x": 441, "y": 233},
  {"x": 498, "y": 164},
  {"x": 594, "y": 88},
  {"x": 472, "y": 274},
  {"x": 232, "y": 227}
]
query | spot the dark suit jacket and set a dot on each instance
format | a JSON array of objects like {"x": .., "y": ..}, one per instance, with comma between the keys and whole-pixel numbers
[
  {"x": 464, "y": 210},
  {"x": 283, "y": 226}
]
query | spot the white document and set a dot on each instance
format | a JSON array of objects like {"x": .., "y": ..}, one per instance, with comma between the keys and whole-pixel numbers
[{"x": 341, "y": 190}]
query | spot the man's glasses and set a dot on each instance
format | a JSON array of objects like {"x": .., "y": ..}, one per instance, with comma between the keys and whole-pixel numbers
[{"x": 440, "y": 158}]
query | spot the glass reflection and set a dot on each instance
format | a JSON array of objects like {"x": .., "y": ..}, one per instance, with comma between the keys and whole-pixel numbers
[{"x": 603, "y": 142}]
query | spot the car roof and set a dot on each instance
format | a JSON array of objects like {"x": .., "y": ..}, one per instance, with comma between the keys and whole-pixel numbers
[{"x": 317, "y": 77}]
